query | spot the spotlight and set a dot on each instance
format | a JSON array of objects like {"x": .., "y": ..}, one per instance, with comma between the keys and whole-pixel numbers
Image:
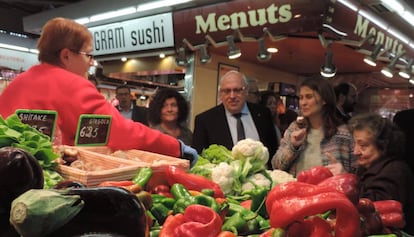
[
  {"x": 370, "y": 60},
  {"x": 263, "y": 54},
  {"x": 388, "y": 71},
  {"x": 328, "y": 69},
  {"x": 181, "y": 59},
  {"x": 232, "y": 52},
  {"x": 204, "y": 56},
  {"x": 406, "y": 72}
]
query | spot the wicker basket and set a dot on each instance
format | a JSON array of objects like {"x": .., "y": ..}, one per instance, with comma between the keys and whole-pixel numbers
[
  {"x": 157, "y": 162},
  {"x": 111, "y": 168}
]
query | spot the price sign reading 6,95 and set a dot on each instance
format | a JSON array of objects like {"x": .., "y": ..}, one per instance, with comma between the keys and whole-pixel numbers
[
  {"x": 42, "y": 120},
  {"x": 93, "y": 130}
]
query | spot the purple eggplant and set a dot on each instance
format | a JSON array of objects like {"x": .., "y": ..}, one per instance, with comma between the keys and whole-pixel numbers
[{"x": 112, "y": 211}]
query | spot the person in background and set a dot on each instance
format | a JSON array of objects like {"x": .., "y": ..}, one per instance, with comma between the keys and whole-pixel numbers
[
  {"x": 128, "y": 108},
  {"x": 324, "y": 140},
  {"x": 270, "y": 100},
  {"x": 404, "y": 119},
  {"x": 168, "y": 112},
  {"x": 346, "y": 100},
  {"x": 218, "y": 125},
  {"x": 59, "y": 83},
  {"x": 253, "y": 95},
  {"x": 286, "y": 116},
  {"x": 382, "y": 171}
]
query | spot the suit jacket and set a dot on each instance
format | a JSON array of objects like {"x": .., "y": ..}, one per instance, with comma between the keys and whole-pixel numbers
[
  {"x": 211, "y": 127},
  {"x": 139, "y": 114}
]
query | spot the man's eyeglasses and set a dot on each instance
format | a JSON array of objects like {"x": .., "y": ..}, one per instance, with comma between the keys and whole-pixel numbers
[
  {"x": 90, "y": 56},
  {"x": 236, "y": 91}
]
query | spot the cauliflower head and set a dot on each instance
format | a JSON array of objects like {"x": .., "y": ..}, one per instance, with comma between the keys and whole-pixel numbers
[
  {"x": 223, "y": 175},
  {"x": 280, "y": 176},
  {"x": 249, "y": 148},
  {"x": 255, "y": 180}
]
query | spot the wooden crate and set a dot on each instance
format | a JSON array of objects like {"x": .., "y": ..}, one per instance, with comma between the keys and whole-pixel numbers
[
  {"x": 112, "y": 169},
  {"x": 157, "y": 162}
]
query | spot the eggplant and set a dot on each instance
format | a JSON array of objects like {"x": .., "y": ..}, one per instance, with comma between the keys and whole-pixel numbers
[
  {"x": 111, "y": 211},
  {"x": 19, "y": 172}
]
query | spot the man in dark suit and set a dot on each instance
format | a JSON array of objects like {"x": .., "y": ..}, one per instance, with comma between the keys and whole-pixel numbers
[
  {"x": 129, "y": 109},
  {"x": 218, "y": 125},
  {"x": 404, "y": 119}
]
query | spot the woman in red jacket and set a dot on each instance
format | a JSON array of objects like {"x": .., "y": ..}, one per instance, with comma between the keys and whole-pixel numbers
[{"x": 59, "y": 83}]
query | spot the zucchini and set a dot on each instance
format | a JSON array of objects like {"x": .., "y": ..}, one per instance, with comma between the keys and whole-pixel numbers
[{"x": 39, "y": 212}]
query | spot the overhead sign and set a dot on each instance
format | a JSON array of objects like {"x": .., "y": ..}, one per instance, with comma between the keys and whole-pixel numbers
[
  {"x": 250, "y": 17},
  {"x": 134, "y": 35},
  {"x": 358, "y": 27},
  {"x": 42, "y": 120},
  {"x": 93, "y": 129}
]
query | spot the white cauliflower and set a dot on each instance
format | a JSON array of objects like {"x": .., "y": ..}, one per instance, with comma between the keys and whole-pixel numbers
[
  {"x": 257, "y": 179},
  {"x": 280, "y": 176},
  {"x": 223, "y": 175},
  {"x": 249, "y": 148}
]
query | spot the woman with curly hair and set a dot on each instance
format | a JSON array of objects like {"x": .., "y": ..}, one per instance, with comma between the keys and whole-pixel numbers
[
  {"x": 382, "y": 171},
  {"x": 168, "y": 112},
  {"x": 325, "y": 140}
]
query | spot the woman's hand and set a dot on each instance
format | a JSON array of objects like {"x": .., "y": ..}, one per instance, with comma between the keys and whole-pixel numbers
[
  {"x": 298, "y": 137},
  {"x": 335, "y": 166}
]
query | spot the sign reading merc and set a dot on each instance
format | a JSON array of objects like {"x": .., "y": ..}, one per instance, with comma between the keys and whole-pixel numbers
[{"x": 134, "y": 35}]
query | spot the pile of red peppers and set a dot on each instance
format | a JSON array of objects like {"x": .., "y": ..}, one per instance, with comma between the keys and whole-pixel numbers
[
  {"x": 317, "y": 204},
  {"x": 297, "y": 206}
]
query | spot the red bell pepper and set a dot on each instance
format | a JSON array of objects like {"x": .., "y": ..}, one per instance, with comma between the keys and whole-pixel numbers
[
  {"x": 371, "y": 221},
  {"x": 197, "y": 220},
  {"x": 345, "y": 183},
  {"x": 314, "y": 175},
  {"x": 391, "y": 213},
  {"x": 192, "y": 181},
  {"x": 292, "y": 201},
  {"x": 126, "y": 184},
  {"x": 313, "y": 226}
]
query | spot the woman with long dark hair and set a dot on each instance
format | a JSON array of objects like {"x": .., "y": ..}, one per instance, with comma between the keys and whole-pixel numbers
[{"x": 325, "y": 140}]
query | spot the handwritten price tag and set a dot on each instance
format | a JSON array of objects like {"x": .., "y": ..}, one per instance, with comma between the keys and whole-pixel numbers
[
  {"x": 42, "y": 120},
  {"x": 93, "y": 130}
]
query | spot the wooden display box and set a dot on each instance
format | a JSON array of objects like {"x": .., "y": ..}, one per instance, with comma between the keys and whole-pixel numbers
[
  {"x": 111, "y": 168},
  {"x": 157, "y": 162}
]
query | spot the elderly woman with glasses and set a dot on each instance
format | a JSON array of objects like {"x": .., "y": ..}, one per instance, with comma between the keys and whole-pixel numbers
[{"x": 59, "y": 83}]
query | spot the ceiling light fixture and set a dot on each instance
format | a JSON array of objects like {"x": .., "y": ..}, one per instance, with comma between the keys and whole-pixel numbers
[
  {"x": 406, "y": 72},
  {"x": 159, "y": 4},
  {"x": 204, "y": 55},
  {"x": 370, "y": 60},
  {"x": 232, "y": 52},
  {"x": 388, "y": 70},
  {"x": 263, "y": 54},
  {"x": 181, "y": 58},
  {"x": 328, "y": 69}
]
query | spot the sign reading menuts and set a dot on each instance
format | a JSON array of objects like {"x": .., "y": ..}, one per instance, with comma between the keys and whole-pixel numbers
[{"x": 134, "y": 35}]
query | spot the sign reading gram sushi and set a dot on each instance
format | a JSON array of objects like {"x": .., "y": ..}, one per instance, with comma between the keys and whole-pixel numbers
[{"x": 93, "y": 130}]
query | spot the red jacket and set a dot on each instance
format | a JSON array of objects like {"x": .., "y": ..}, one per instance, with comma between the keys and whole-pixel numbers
[{"x": 48, "y": 87}]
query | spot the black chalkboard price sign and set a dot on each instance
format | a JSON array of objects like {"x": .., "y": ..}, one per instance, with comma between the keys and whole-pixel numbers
[
  {"x": 42, "y": 120},
  {"x": 93, "y": 130}
]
